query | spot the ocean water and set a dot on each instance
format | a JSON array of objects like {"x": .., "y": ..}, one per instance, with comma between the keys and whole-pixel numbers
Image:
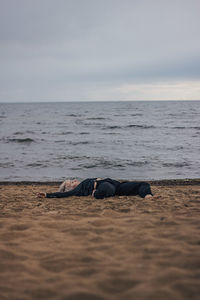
[{"x": 122, "y": 140}]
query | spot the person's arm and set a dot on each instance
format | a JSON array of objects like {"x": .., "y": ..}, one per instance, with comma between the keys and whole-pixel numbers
[
  {"x": 104, "y": 190},
  {"x": 62, "y": 187},
  {"x": 95, "y": 185},
  {"x": 75, "y": 192}
]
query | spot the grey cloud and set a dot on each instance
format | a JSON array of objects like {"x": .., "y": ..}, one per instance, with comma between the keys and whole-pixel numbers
[{"x": 48, "y": 44}]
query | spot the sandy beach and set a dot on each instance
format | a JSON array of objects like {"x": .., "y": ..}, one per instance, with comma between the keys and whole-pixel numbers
[{"x": 116, "y": 248}]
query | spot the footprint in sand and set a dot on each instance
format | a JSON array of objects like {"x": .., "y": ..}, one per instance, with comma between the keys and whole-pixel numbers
[{"x": 83, "y": 296}]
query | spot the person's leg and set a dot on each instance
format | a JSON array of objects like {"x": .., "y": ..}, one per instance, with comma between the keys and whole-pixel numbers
[
  {"x": 105, "y": 189},
  {"x": 144, "y": 189},
  {"x": 128, "y": 188},
  {"x": 134, "y": 188}
]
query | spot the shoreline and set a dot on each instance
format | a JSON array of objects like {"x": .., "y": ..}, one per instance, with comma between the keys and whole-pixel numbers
[{"x": 162, "y": 182}]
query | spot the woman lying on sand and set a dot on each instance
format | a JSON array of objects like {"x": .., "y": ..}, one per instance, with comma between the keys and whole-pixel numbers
[{"x": 100, "y": 188}]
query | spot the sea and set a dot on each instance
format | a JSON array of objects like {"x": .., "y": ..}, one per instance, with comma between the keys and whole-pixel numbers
[{"x": 133, "y": 140}]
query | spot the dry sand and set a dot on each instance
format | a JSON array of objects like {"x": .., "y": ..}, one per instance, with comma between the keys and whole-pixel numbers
[{"x": 116, "y": 248}]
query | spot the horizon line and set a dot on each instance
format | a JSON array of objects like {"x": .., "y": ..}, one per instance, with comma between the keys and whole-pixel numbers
[{"x": 78, "y": 101}]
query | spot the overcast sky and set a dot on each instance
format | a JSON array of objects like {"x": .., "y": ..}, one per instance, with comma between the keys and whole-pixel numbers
[{"x": 74, "y": 50}]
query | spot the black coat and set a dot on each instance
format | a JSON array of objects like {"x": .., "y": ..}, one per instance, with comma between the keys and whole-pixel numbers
[{"x": 105, "y": 188}]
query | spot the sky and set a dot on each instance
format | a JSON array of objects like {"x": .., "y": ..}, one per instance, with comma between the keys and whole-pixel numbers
[{"x": 99, "y": 50}]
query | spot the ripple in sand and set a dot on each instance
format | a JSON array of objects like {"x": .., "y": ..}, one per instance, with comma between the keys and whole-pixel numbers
[
  {"x": 19, "y": 227},
  {"x": 4, "y": 255},
  {"x": 41, "y": 293},
  {"x": 188, "y": 288},
  {"x": 103, "y": 222},
  {"x": 15, "y": 267},
  {"x": 86, "y": 272},
  {"x": 53, "y": 263},
  {"x": 83, "y": 296},
  {"x": 118, "y": 285}
]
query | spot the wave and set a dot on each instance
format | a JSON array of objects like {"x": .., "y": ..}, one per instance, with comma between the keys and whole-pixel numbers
[
  {"x": 129, "y": 126},
  {"x": 137, "y": 163},
  {"x": 113, "y": 127},
  {"x": 111, "y": 165},
  {"x": 89, "y": 166},
  {"x": 98, "y": 165},
  {"x": 135, "y": 115},
  {"x": 84, "y": 133},
  {"x": 175, "y": 148},
  {"x": 18, "y": 133},
  {"x": 177, "y": 127},
  {"x": 73, "y": 115},
  {"x": 140, "y": 126},
  {"x": 59, "y": 141},
  {"x": 71, "y": 157},
  {"x": 6, "y": 165},
  {"x": 96, "y": 118},
  {"x": 66, "y": 133},
  {"x": 176, "y": 164},
  {"x": 106, "y": 164},
  {"x": 111, "y": 133},
  {"x": 79, "y": 143},
  {"x": 184, "y": 127},
  {"x": 85, "y": 123},
  {"x": 94, "y": 124},
  {"x": 25, "y": 132},
  {"x": 20, "y": 140},
  {"x": 188, "y": 114},
  {"x": 35, "y": 164}
]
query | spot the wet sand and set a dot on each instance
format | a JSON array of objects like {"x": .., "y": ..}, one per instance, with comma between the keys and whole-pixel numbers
[{"x": 116, "y": 248}]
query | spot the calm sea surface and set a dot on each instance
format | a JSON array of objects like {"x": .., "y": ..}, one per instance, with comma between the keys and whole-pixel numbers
[{"x": 122, "y": 140}]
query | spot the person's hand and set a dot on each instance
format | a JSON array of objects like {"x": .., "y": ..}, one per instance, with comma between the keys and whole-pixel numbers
[
  {"x": 41, "y": 195},
  {"x": 148, "y": 196}
]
